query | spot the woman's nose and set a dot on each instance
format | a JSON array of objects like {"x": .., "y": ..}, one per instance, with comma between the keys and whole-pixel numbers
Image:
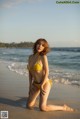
[{"x": 40, "y": 45}]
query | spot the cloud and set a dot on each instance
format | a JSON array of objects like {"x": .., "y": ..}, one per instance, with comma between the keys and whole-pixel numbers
[{"x": 12, "y": 3}]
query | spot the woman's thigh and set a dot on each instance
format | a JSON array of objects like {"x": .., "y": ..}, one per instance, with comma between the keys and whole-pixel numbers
[
  {"x": 44, "y": 97},
  {"x": 33, "y": 94}
]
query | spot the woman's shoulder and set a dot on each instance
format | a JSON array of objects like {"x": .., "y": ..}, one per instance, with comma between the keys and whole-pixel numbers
[{"x": 44, "y": 57}]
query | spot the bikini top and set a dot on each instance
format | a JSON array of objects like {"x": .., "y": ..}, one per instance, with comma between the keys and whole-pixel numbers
[{"x": 36, "y": 67}]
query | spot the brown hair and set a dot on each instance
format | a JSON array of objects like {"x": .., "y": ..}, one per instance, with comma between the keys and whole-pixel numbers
[{"x": 46, "y": 46}]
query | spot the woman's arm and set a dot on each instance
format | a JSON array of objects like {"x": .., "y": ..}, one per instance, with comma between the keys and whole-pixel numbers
[
  {"x": 30, "y": 77},
  {"x": 46, "y": 69},
  {"x": 30, "y": 81}
]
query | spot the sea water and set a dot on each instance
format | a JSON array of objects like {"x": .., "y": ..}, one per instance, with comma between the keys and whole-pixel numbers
[{"x": 64, "y": 63}]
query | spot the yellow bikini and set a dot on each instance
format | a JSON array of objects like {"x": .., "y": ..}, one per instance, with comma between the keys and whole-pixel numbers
[
  {"x": 38, "y": 85},
  {"x": 37, "y": 67}
]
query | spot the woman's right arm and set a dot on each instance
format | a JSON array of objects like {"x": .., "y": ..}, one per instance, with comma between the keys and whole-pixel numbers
[
  {"x": 30, "y": 81},
  {"x": 30, "y": 76}
]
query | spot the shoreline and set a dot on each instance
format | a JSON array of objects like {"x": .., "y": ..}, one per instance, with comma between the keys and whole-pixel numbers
[
  {"x": 14, "y": 93},
  {"x": 20, "y": 68}
]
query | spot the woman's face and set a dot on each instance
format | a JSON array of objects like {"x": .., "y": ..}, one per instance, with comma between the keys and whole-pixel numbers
[{"x": 40, "y": 47}]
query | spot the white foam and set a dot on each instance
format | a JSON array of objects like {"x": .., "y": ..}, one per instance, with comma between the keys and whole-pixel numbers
[
  {"x": 58, "y": 76},
  {"x": 62, "y": 80},
  {"x": 75, "y": 83},
  {"x": 19, "y": 68}
]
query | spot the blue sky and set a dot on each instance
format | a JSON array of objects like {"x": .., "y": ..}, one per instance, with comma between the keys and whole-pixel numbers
[{"x": 28, "y": 20}]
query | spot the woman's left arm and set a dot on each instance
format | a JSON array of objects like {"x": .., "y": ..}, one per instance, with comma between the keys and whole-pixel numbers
[{"x": 46, "y": 70}]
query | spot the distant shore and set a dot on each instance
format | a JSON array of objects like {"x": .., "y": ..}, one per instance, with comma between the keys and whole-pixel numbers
[
  {"x": 14, "y": 93},
  {"x": 16, "y": 45},
  {"x": 29, "y": 45}
]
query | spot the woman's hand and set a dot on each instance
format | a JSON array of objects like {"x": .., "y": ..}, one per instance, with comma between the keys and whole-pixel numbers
[
  {"x": 29, "y": 91},
  {"x": 42, "y": 90},
  {"x": 30, "y": 88}
]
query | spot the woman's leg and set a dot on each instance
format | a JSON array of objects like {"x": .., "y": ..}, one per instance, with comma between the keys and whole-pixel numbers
[
  {"x": 32, "y": 97},
  {"x": 43, "y": 101}
]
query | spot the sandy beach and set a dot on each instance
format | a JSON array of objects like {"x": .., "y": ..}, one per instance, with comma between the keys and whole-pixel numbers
[{"x": 14, "y": 93}]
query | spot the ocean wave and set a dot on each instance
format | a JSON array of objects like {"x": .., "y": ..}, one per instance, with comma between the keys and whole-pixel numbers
[
  {"x": 64, "y": 66},
  {"x": 65, "y": 77},
  {"x": 66, "y": 82},
  {"x": 57, "y": 75},
  {"x": 72, "y": 49},
  {"x": 20, "y": 68}
]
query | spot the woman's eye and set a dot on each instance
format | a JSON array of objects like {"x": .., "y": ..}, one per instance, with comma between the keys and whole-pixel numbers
[{"x": 43, "y": 45}]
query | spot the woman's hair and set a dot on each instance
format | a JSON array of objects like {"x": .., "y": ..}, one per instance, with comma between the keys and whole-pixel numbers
[{"x": 45, "y": 44}]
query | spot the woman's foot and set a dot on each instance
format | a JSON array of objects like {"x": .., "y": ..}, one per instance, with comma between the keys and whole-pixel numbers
[{"x": 67, "y": 108}]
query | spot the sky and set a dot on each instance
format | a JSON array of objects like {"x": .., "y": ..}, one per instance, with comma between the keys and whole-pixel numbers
[{"x": 29, "y": 20}]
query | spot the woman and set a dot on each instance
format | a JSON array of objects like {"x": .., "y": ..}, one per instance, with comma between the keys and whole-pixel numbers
[{"x": 39, "y": 83}]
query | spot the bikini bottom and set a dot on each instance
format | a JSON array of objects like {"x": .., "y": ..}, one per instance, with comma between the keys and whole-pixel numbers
[{"x": 38, "y": 85}]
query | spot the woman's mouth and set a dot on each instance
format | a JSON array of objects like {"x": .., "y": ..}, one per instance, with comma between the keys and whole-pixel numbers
[{"x": 39, "y": 48}]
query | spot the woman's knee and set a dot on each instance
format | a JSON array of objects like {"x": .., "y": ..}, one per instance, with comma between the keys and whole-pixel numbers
[
  {"x": 43, "y": 108},
  {"x": 29, "y": 105}
]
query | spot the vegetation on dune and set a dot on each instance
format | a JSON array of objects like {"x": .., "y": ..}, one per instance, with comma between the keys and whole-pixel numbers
[{"x": 16, "y": 45}]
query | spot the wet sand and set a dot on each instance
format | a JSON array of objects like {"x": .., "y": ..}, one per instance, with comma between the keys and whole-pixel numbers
[{"x": 14, "y": 93}]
